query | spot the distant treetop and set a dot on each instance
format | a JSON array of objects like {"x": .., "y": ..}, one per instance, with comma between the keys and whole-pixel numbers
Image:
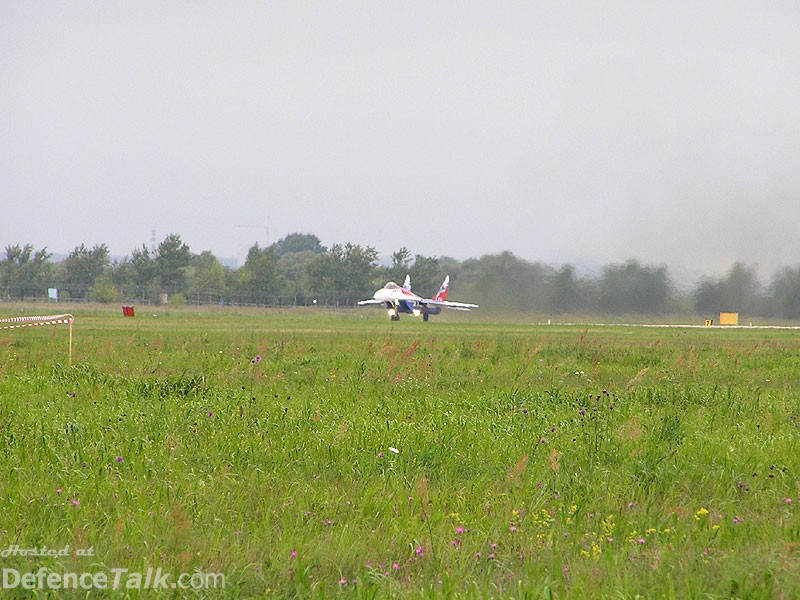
[{"x": 299, "y": 242}]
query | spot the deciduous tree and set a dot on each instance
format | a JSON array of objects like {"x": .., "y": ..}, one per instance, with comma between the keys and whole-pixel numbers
[{"x": 25, "y": 273}]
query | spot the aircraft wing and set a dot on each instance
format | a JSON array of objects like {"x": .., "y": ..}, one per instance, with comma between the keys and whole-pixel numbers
[
  {"x": 371, "y": 301},
  {"x": 449, "y": 304}
]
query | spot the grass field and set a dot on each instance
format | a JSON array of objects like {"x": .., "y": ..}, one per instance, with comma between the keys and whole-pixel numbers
[{"x": 316, "y": 454}]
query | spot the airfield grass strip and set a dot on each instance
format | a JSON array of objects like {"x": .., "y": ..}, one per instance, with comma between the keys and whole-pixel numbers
[{"x": 307, "y": 455}]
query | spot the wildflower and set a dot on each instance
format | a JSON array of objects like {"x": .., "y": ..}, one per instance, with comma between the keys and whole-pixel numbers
[
  {"x": 58, "y": 491},
  {"x": 595, "y": 550},
  {"x": 380, "y": 454},
  {"x": 257, "y": 359},
  {"x": 293, "y": 554},
  {"x": 512, "y": 529},
  {"x": 75, "y": 502},
  {"x": 702, "y": 512},
  {"x": 419, "y": 550},
  {"x": 119, "y": 459},
  {"x": 343, "y": 581},
  {"x": 788, "y": 500},
  {"x": 395, "y": 566},
  {"x": 211, "y": 413}
]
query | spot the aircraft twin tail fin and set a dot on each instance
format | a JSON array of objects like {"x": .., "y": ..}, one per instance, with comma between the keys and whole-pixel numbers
[{"x": 442, "y": 293}]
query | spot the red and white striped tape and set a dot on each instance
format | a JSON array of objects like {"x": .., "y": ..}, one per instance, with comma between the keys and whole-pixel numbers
[{"x": 19, "y": 322}]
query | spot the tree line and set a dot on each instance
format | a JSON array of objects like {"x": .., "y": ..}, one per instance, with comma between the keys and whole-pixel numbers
[{"x": 299, "y": 271}]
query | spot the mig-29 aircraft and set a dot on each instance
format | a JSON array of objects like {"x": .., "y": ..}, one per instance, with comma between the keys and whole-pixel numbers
[{"x": 402, "y": 300}]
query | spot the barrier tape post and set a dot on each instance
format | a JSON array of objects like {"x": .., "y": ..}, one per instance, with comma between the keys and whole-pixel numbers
[{"x": 22, "y": 322}]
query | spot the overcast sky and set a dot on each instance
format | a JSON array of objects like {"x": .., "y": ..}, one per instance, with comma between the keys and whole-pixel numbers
[{"x": 564, "y": 132}]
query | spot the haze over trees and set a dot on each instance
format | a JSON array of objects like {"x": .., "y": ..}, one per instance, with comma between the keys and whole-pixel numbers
[{"x": 299, "y": 271}]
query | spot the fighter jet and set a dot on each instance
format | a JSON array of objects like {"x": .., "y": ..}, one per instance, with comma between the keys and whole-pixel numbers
[{"x": 397, "y": 299}]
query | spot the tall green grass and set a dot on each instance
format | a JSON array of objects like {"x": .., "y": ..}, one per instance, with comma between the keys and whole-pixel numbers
[{"x": 307, "y": 454}]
